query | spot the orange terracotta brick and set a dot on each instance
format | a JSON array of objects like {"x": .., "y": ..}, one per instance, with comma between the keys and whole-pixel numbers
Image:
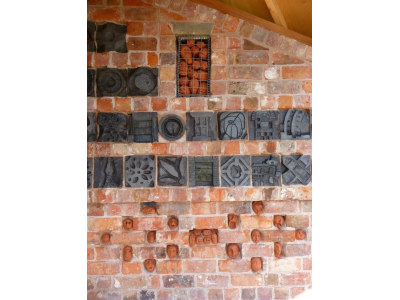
[
  {"x": 159, "y": 103},
  {"x": 196, "y": 148},
  {"x": 307, "y": 86},
  {"x": 104, "y": 224},
  {"x": 285, "y": 102},
  {"x": 250, "y": 147},
  {"x": 141, "y": 104},
  {"x": 152, "y": 59},
  {"x": 169, "y": 267},
  {"x": 297, "y": 72},
  {"x": 104, "y": 104},
  {"x": 159, "y": 148},
  {"x": 131, "y": 267},
  {"x": 251, "y": 103},
  {"x": 104, "y": 14},
  {"x": 177, "y": 149},
  {"x": 234, "y": 43},
  {"x": 101, "y": 59},
  {"x": 247, "y": 280},
  {"x": 90, "y": 254},
  {"x": 123, "y": 104},
  {"x": 102, "y": 268},
  {"x": 231, "y": 148},
  {"x": 217, "y": 194},
  {"x": 200, "y": 266},
  {"x": 134, "y": 28},
  {"x": 231, "y": 24},
  {"x": 136, "y": 59},
  {"x": 119, "y": 60},
  {"x": 204, "y": 208},
  {"x": 178, "y": 104},
  {"x": 233, "y": 103},
  {"x": 211, "y": 222},
  {"x": 90, "y": 56},
  {"x": 197, "y": 104},
  {"x": 102, "y": 149}
]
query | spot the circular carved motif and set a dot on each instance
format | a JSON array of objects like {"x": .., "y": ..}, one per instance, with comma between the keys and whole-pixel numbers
[
  {"x": 142, "y": 81},
  {"x": 111, "y": 82},
  {"x": 172, "y": 127}
]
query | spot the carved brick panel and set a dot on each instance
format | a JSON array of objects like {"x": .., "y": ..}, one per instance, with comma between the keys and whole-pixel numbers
[
  {"x": 91, "y": 127},
  {"x": 203, "y": 171},
  {"x": 296, "y": 169},
  {"x": 264, "y": 125},
  {"x": 172, "y": 127},
  {"x": 201, "y": 126},
  {"x": 89, "y": 172},
  {"x": 143, "y": 127},
  {"x": 140, "y": 171},
  {"x": 266, "y": 170},
  {"x": 91, "y": 29},
  {"x": 112, "y": 127},
  {"x": 143, "y": 82},
  {"x": 90, "y": 82},
  {"x": 108, "y": 172},
  {"x": 294, "y": 124},
  {"x": 111, "y": 37},
  {"x": 172, "y": 171},
  {"x": 232, "y": 125},
  {"x": 235, "y": 170},
  {"x": 111, "y": 82}
]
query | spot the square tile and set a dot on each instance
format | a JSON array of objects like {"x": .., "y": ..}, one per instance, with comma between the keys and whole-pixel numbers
[
  {"x": 232, "y": 125},
  {"x": 112, "y": 127},
  {"x": 201, "y": 126},
  {"x": 111, "y": 82},
  {"x": 140, "y": 171},
  {"x": 294, "y": 124},
  {"x": 203, "y": 171},
  {"x": 143, "y": 81},
  {"x": 266, "y": 170},
  {"x": 235, "y": 170},
  {"x": 111, "y": 37},
  {"x": 91, "y": 127},
  {"x": 90, "y": 82},
  {"x": 296, "y": 169},
  {"x": 108, "y": 172},
  {"x": 264, "y": 125},
  {"x": 91, "y": 30},
  {"x": 89, "y": 172},
  {"x": 143, "y": 127},
  {"x": 172, "y": 171}
]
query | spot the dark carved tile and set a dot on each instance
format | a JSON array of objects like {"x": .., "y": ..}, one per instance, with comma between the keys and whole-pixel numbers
[
  {"x": 172, "y": 127},
  {"x": 232, "y": 125},
  {"x": 91, "y": 127},
  {"x": 143, "y": 82},
  {"x": 201, "y": 126},
  {"x": 310, "y": 123},
  {"x": 267, "y": 170},
  {"x": 235, "y": 170},
  {"x": 90, "y": 82},
  {"x": 111, "y": 82},
  {"x": 112, "y": 127},
  {"x": 89, "y": 172},
  {"x": 143, "y": 127},
  {"x": 203, "y": 171},
  {"x": 108, "y": 172},
  {"x": 91, "y": 29},
  {"x": 296, "y": 169},
  {"x": 172, "y": 171},
  {"x": 264, "y": 125},
  {"x": 111, "y": 37},
  {"x": 294, "y": 124},
  {"x": 140, "y": 171}
]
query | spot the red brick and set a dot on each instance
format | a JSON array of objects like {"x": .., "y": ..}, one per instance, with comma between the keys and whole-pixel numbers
[
  {"x": 90, "y": 254},
  {"x": 281, "y": 206},
  {"x": 189, "y": 9},
  {"x": 134, "y": 28},
  {"x": 119, "y": 60},
  {"x": 212, "y": 281},
  {"x": 152, "y": 59},
  {"x": 136, "y": 59},
  {"x": 105, "y": 196},
  {"x": 269, "y": 102},
  {"x": 218, "y": 42},
  {"x": 200, "y": 266},
  {"x": 179, "y": 195},
  {"x": 253, "y": 250},
  {"x": 149, "y": 224},
  {"x": 218, "y": 58},
  {"x": 234, "y": 266},
  {"x": 297, "y": 250},
  {"x": 93, "y": 238},
  {"x": 234, "y": 194},
  {"x": 217, "y": 194},
  {"x": 142, "y": 43},
  {"x": 249, "y": 57},
  {"x": 140, "y": 14},
  {"x": 167, "y": 89},
  {"x": 307, "y": 86},
  {"x": 176, "y": 5},
  {"x": 170, "y": 16},
  {"x": 199, "y": 194},
  {"x": 164, "y": 295},
  {"x": 269, "y": 147},
  {"x": 197, "y": 104},
  {"x": 214, "y": 251},
  {"x": 123, "y": 104},
  {"x": 176, "y": 207},
  {"x": 104, "y": 14},
  {"x": 279, "y": 58},
  {"x": 113, "y": 2},
  {"x": 284, "y": 265},
  {"x": 211, "y": 222},
  {"x": 250, "y": 147},
  {"x": 94, "y": 2},
  {"x": 166, "y": 29},
  {"x": 204, "y": 208},
  {"x": 95, "y": 210},
  {"x": 128, "y": 238},
  {"x": 167, "y": 43},
  {"x": 215, "y": 294},
  {"x": 285, "y": 102},
  {"x": 177, "y": 149},
  {"x": 90, "y": 56},
  {"x": 242, "y": 236},
  {"x": 131, "y": 268},
  {"x": 141, "y": 104},
  {"x": 142, "y": 195},
  {"x": 150, "y": 29},
  {"x": 233, "y": 103},
  {"x": 234, "y": 43},
  {"x": 102, "y": 149},
  {"x": 297, "y": 72},
  {"x": 107, "y": 253},
  {"x": 104, "y": 224},
  {"x": 231, "y": 24},
  {"x": 247, "y": 279},
  {"x": 196, "y": 148},
  {"x": 135, "y": 3},
  {"x": 217, "y": 88},
  {"x": 271, "y": 73},
  {"x": 101, "y": 59},
  {"x": 213, "y": 148},
  {"x": 250, "y": 222},
  {"x": 159, "y": 148},
  {"x": 159, "y": 103},
  {"x": 172, "y": 237},
  {"x": 296, "y": 279},
  {"x": 178, "y": 281},
  {"x": 104, "y": 104},
  {"x": 102, "y": 268},
  {"x": 245, "y": 72},
  {"x": 283, "y": 87},
  {"x": 169, "y": 267},
  {"x": 307, "y": 263},
  {"x": 161, "y": 194},
  {"x": 178, "y": 104},
  {"x": 214, "y": 103},
  {"x": 302, "y": 101},
  {"x": 231, "y": 148},
  {"x": 297, "y": 221},
  {"x": 218, "y": 73},
  {"x": 251, "y": 103},
  {"x": 278, "y": 236},
  {"x": 128, "y": 209}
]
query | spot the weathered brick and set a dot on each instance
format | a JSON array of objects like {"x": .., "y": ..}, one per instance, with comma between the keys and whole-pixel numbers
[
  {"x": 95, "y": 210},
  {"x": 234, "y": 43},
  {"x": 101, "y": 59},
  {"x": 167, "y": 89},
  {"x": 131, "y": 268},
  {"x": 214, "y": 103},
  {"x": 103, "y": 14},
  {"x": 242, "y": 207},
  {"x": 103, "y": 295},
  {"x": 135, "y": 3},
  {"x": 123, "y": 104},
  {"x": 140, "y": 14},
  {"x": 213, "y": 148},
  {"x": 247, "y": 279},
  {"x": 283, "y": 87},
  {"x": 248, "y": 294},
  {"x": 306, "y": 206},
  {"x": 137, "y": 59},
  {"x": 297, "y": 249},
  {"x": 172, "y": 237},
  {"x": 284, "y": 265},
  {"x": 178, "y": 281},
  {"x": 234, "y": 266},
  {"x": 107, "y": 253},
  {"x": 204, "y": 208},
  {"x": 93, "y": 238},
  {"x": 142, "y": 43},
  {"x": 128, "y": 238},
  {"x": 159, "y": 148},
  {"x": 217, "y": 194},
  {"x": 200, "y": 266},
  {"x": 212, "y": 251},
  {"x": 296, "y": 279},
  {"x": 197, "y": 104},
  {"x": 167, "y": 43},
  {"x": 134, "y": 28},
  {"x": 128, "y": 209},
  {"x": 211, "y": 222},
  {"x": 179, "y": 195},
  {"x": 279, "y": 58},
  {"x": 177, "y": 149},
  {"x": 251, "y": 103},
  {"x": 253, "y": 250},
  {"x": 152, "y": 59},
  {"x": 307, "y": 263},
  {"x": 297, "y": 221},
  {"x": 237, "y": 236},
  {"x": 264, "y": 293},
  {"x": 169, "y": 267},
  {"x": 248, "y": 57},
  {"x": 170, "y": 16},
  {"x": 167, "y": 58},
  {"x": 232, "y": 294},
  {"x": 253, "y": 194},
  {"x": 233, "y": 103},
  {"x": 102, "y": 268},
  {"x": 142, "y": 195},
  {"x": 250, "y": 147},
  {"x": 238, "y": 88},
  {"x": 271, "y": 279},
  {"x": 281, "y": 206},
  {"x": 119, "y": 60},
  {"x": 90, "y": 254},
  {"x": 218, "y": 73},
  {"x": 149, "y": 224},
  {"x": 231, "y": 147},
  {"x": 186, "y": 223},
  {"x": 249, "y": 45},
  {"x": 165, "y": 295},
  {"x": 304, "y": 193},
  {"x": 307, "y": 86},
  {"x": 199, "y": 195},
  {"x": 209, "y": 281},
  {"x": 167, "y": 74},
  {"x": 150, "y": 253},
  {"x": 250, "y": 222},
  {"x": 296, "y": 72},
  {"x": 218, "y": 57},
  {"x": 215, "y": 294},
  {"x": 104, "y": 224},
  {"x": 269, "y": 102},
  {"x": 278, "y": 236}
]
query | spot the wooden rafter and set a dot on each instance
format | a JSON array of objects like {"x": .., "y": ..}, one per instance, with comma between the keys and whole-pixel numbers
[{"x": 276, "y": 13}]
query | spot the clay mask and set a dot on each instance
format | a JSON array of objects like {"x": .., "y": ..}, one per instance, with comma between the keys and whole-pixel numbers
[
  {"x": 199, "y": 240},
  {"x": 214, "y": 238},
  {"x": 128, "y": 224},
  {"x": 256, "y": 264},
  {"x": 206, "y": 232},
  {"x": 257, "y": 207},
  {"x": 197, "y": 232},
  {"x": 173, "y": 223},
  {"x": 232, "y": 221},
  {"x": 232, "y": 250},
  {"x": 172, "y": 251},
  {"x": 150, "y": 265},
  {"x": 105, "y": 238},
  {"x": 192, "y": 239},
  {"x": 127, "y": 253},
  {"x": 300, "y": 234},
  {"x": 256, "y": 236},
  {"x": 148, "y": 210},
  {"x": 278, "y": 250},
  {"x": 278, "y": 221},
  {"x": 151, "y": 237},
  {"x": 207, "y": 240}
]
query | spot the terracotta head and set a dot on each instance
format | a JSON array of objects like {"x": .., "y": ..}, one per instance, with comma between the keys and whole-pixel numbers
[
  {"x": 127, "y": 253},
  {"x": 105, "y": 238},
  {"x": 257, "y": 207},
  {"x": 199, "y": 240},
  {"x": 192, "y": 239},
  {"x": 172, "y": 251},
  {"x": 151, "y": 237},
  {"x": 173, "y": 223},
  {"x": 206, "y": 232},
  {"x": 300, "y": 234},
  {"x": 232, "y": 221},
  {"x": 278, "y": 250},
  {"x": 256, "y": 236},
  {"x": 128, "y": 224},
  {"x": 214, "y": 238},
  {"x": 232, "y": 250},
  {"x": 214, "y": 231},
  {"x": 278, "y": 221},
  {"x": 197, "y": 231},
  {"x": 150, "y": 265},
  {"x": 207, "y": 240},
  {"x": 256, "y": 264},
  {"x": 148, "y": 210}
]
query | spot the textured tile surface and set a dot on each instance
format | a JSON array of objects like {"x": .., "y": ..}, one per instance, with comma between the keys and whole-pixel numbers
[
  {"x": 235, "y": 170},
  {"x": 143, "y": 82},
  {"x": 203, "y": 171},
  {"x": 266, "y": 170},
  {"x": 294, "y": 124},
  {"x": 111, "y": 82},
  {"x": 90, "y": 82},
  {"x": 111, "y": 37},
  {"x": 112, "y": 127},
  {"x": 140, "y": 171},
  {"x": 91, "y": 29},
  {"x": 89, "y": 172},
  {"x": 201, "y": 126},
  {"x": 91, "y": 127},
  {"x": 143, "y": 127},
  {"x": 264, "y": 125},
  {"x": 172, "y": 171},
  {"x": 232, "y": 125},
  {"x": 172, "y": 127},
  {"x": 108, "y": 172},
  {"x": 296, "y": 169}
]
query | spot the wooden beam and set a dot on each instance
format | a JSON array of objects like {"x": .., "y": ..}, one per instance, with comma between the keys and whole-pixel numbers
[
  {"x": 224, "y": 8},
  {"x": 276, "y": 13}
]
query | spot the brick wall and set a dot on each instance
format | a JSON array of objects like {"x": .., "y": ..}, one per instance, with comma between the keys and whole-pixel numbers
[{"x": 251, "y": 69}]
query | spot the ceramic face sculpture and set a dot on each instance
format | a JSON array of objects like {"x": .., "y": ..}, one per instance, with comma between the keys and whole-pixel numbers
[
  {"x": 232, "y": 221},
  {"x": 257, "y": 207},
  {"x": 232, "y": 250},
  {"x": 300, "y": 234},
  {"x": 199, "y": 240},
  {"x": 278, "y": 250},
  {"x": 105, "y": 238},
  {"x": 148, "y": 210},
  {"x": 197, "y": 232},
  {"x": 172, "y": 251},
  {"x": 150, "y": 265},
  {"x": 192, "y": 239},
  {"x": 173, "y": 223},
  {"x": 256, "y": 236},
  {"x": 278, "y": 221},
  {"x": 151, "y": 237},
  {"x": 206, "y": 232},
  {"x": 214, "y": 238},
  {"x": 207, "y": 240},
  {"x": 127, "y": 253},
  {"x": 256, "y": 264},
  {"x": 128, "y": 223}
]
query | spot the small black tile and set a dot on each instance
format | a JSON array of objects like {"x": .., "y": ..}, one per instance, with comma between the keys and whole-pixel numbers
[
  {"x": 111, "y": 37},
  {"x": 143, "y": 127},
  {"x": 232, "y": 125},
  {"x": 235, "y": 170},
  {"x": 112, "y": 127},
  {"x": 266, "y": 170},
  {"x": 203, "y": 171},
  {"x": 172, "y": 127},
  {"x": 294, "y": 124},
  {"x": 201, "y": 126},
  {"x": 143, "y": 81},
  {"x": 296, "y": 169},
  {"x": 90, "y": 82},
  {"x": 172, "y": 171},
  {"x": 89, "y": 172},
  {"x": 264, "y": 125},
  {"x": 91, "y": 127},
  {"x": 140, "y": 171},
  {"x": 111, "y": 82},
  {"x": 108, "y": 172},
  {"x": 91, "y": 29}
]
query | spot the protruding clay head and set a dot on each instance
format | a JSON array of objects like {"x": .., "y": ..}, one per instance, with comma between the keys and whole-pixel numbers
[
  {"x": 300, "y": 234},
  {"x": 278, "y": 221},
  {"x": 192, "y": 239},
  {"x": 214, "y": 238},
  {"x": 257, "y": 207},
  {"x": 278, "y": 250},
  {"x": 148, "y": 210},
  {"x": 151, "y": 237},
  {"x": 173, "y": 223},
  {"x": 232, "y": 250},
  {"x": 127, "y": 253},
  {"x": 206, "y": 232},
  {"x": 207, "y": 240},
  {"x": 197, "y": 232},
  {"x": 172, "y": 251},
  {"x": 150, "y": 265},
  {"x": 199, "y": 240},
  {"x": 256, "y": 264},
  {"x": 256, "y": 236},
  {"x": 214, "y": 231},
  {"x": 232, "y": 221},
  {"x": 128, "y": 224},
  {"x": 105, "y": 238}
]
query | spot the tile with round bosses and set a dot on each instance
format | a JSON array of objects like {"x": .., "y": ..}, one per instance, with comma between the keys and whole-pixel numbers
[
  {"x": 235, "y": 170},
  {"x": 142, "y": 81},
  {"x": 203, "y": 171},
  {"x": 266, "y": 170},
  {"x": 111, "y": 37},
  {"x": 112, "y": 127},
  {"x": 172, "y": 171},
  {"x": 143, "y": 127},
  {"x": 111, "y": 82},
  {"x": 232, "y": 125},
  {"x": 140, "y": 171},
  {"x": 296, "y": 169},
  {"x": 264, "y": 125},
  {"x": 91, "y": 127},
  {"x": 294, "y": 124},
  {"x": 108, "y": 172},
  {"x": 201, "y": 126},
  {"x": 172, "y": 127},
  {"x": 91, "y": 29},
  {"x": 90, "y": 82}
]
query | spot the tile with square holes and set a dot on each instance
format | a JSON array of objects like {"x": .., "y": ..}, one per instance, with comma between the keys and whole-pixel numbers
[
  {"x": 232, "y": 125},
  {"x": 108, "y": 172},
  {"x": 143, "y": 127},
  {"x": 296, "y": 169},
  {"x": 172, "y": 171},
  {"x": 89, "y": 172},
  {"x": 266, "y": 170},
  {"x": 91, "y": 29},
  {"x": 235, "y": 170},
  {"x": 294, "y": 124},
  {"x": 91, "y": 127},
  {"x": 111, "y": 37},
  {"x": 203, "y": 171},
  {"x": 264, "y": 125},
  {"x": 111, "y": 82},
  {"x": 201, "y": 126},
  {"x": 90, "y": 82},
  {"x": 140, "y": 171},
  {"x": 142, "y": 81},
  {"x": 112, "y": 127}
]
